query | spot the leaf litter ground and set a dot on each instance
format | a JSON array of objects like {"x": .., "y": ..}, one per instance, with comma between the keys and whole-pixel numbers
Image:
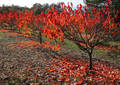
[{"x": 23, "y": 61}]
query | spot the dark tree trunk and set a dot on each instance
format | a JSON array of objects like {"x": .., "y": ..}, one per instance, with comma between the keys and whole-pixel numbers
[
  {"x": 89, "y": 51},
  {"x": 40, "y": 37},
  {"x": 90, "y": 64}
]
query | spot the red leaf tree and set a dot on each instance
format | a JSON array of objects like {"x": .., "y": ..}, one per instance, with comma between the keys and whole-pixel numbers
[
  {"x": 8, "y": 19},
  {"x": 24, "y": 22},
  {"x": 38, "y": 23},
  {"x": 85, "y": 28}
]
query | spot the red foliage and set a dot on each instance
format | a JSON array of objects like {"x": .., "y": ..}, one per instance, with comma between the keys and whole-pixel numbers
[
  {"x": 4, "y": 30},
  {"x": 23, "y": 22},
  {"x": 76, "y": 70},
  {"x": 89, "y": 27},
  {"x": 13, "y": 33},
  {"x": 8, "y": 19},
  {"x": 26, "y": 44}
]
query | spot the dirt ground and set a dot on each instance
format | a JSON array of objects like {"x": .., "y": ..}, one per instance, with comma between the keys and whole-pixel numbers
[{"x": 17, "y": 63}]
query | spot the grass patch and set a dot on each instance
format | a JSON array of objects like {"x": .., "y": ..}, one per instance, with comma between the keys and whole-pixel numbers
[
  {"x": 110, "y": 43},
  {"x": 114, "y": 54},
  {"x": 1, "y": 34},
  {"x": 68, "y": 44},
  {"x": 71, "y": 45},
  {"x": 45, "y": 38},
  {"x": 113, "y": 43},
  {"x": 98, "y": 52}
]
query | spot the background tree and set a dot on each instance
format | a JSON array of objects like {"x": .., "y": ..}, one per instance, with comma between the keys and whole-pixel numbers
[
  {"x": 98, "y": 3},
  {"x": 57, "y": 7},
  {"x": 37, "y": 8},
  {"x": 113, "y": 5}
]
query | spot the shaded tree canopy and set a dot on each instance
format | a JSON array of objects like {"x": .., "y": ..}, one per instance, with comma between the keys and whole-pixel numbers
[
  {"x": 98, "y": 3},
  {"x": 37, "y": 8}
]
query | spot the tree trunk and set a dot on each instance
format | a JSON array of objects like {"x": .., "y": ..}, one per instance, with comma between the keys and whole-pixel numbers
[
  {"x": 40, "y": 37},
  {"x": 90, "y": 64}
]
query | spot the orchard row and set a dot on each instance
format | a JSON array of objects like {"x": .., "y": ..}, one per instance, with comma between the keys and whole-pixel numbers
[{"x": 86, "y": 28}]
